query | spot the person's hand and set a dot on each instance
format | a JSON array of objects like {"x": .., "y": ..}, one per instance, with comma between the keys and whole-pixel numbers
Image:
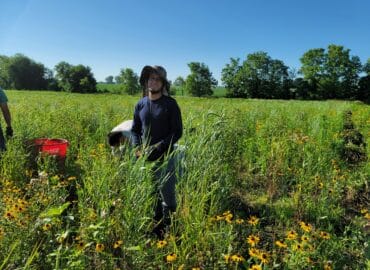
[
  {"x": 138, "y": 153},
  {"x": 156, "y": 152},
  {"x": 9, "y": 132}
]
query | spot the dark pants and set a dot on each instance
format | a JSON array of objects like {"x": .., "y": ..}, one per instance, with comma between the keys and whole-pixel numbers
[
  {"x": 165, "y": 182},
  {"x": 2, "y": 140}
]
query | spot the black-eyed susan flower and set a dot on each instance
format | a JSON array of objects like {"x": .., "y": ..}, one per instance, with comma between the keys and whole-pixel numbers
[
  {"x": 254, "y": 252},
  {"x": 71, "y": 178},
  {"x": 305, "y": 226},
  {"x": 264, "y": 257},
  {"x": 80, "y": 245},
  {"x": 324, "y": 235},
  {"x": 9, "y": 215},
  {"x": 363, "y": 211},
  {"x": 280, "y": 244},
  {"x": 328, "y": 266},
  {"x": 253, "y": 220},
  {"x": 212, "y": 219},
  {"x": 255, "y": 267},
  {"x": 237, "y": 258},
  {"x": 161, "y": 243},
  {"x": 46, "y": 227},
  {"x": 99, "y": 247},
  {"x": 239, "y": 221},
  {"x": 298, "y": 247},
  {"x": 218, "y": 218},
  {"x": 291, "y": 235},
  {"x": 305, "y": 238},
  {"x": 228, "y": 218},
  {"x": 253, "y": 240},
  {"x": 171, "y": 257},
  {"x": 367, "y": 215},
  {"x": 117, "y": 244},
  {"x": 227, "y": 258}
]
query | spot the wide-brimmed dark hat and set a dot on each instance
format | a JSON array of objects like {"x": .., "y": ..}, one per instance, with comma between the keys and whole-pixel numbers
[{"x": 147, "y": 70}]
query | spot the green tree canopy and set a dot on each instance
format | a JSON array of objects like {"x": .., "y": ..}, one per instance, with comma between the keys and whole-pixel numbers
[
  {"x": 129, "y": 80},
  {"x": 259, "y": 76},
  {"x": 200, "y": 81},
  {"x": 21, "y": 72},
  {"x": 109, "y": 79},
  {"x": 332, "y": 73},
  {"x": 75, "y": 78},
  {"x": 179, "y": 82}
]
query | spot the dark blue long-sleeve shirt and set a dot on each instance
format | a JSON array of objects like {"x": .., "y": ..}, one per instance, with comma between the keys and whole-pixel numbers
[{"x": 157, "y": 122}]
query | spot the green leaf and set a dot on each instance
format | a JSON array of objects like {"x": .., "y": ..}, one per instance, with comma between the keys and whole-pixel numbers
[
  {"x": 134, "y": 248},
  {"x": 55, "y": 211}
]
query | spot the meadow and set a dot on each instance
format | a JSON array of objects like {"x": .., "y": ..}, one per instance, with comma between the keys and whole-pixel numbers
[{"x": 265, "y": 184}]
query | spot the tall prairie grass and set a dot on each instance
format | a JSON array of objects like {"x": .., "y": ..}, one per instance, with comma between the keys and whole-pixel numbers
[{"x": 263, "y": 185}]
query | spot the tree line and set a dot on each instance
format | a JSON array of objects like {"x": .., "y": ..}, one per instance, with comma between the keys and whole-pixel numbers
[{"x": 330, "y": 73}]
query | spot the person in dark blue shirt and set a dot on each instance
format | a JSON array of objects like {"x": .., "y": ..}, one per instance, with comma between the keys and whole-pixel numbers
[
  {"x": 157, "y": 126},
  {"x": 6, "y": 113}
]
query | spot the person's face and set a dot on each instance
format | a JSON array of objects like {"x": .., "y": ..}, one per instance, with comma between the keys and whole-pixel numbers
[{"x": 154, "y": 83}]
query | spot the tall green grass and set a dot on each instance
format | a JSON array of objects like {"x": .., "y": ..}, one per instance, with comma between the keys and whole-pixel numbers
[{"x": 276, "y": 160}]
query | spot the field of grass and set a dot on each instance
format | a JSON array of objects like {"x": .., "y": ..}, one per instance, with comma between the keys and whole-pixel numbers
[
  {"x": 178, "y": 91},
  {"x": 266, "y": 185}
]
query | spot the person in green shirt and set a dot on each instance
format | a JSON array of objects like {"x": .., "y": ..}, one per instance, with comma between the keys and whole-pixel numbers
[{"x": 8, "y": 120}]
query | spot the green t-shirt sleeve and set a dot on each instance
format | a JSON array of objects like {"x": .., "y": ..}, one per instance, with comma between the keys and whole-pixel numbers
[{"x": 3, "y": 97}]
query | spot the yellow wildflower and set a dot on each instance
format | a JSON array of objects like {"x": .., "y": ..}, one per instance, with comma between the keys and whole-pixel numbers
[
  {"x": 298, "y": 247},
  {"x": 328, "y": 266},
  {"x": 264, "y": 257},
  {"x": 363, "y": 211},
  {"x": 255, "y": 267},
  {"x": 71, "y": 178},
  {"x": 254, "y": 252},
  {"x": 228, "y": 218},
  {"x": 304, "y": 238},
  {"x": 99, "y": 247},
  {"x": 80, "y": 245},
  {"x": 367, "y": 216},
  {"x": 227, "y": 258},
  {"x": 237, "y": 258},
  {"x": 171, "y": 257},
  {"x": 291, "y": 235},
  {"x": 161, "y": 243},
  {"x": 9, "y": 215},
  {"x": 218, "y": 217},
  {"x": 253, "y": 220},
  {"x": 324, "y": 235},
  {"x": 46, "y": 227},
  {"x": 239, "y": 221},
  {"x": 305, "y": 226},
  {"x": 117, "y": 244},
  {"x": 253, "y": 240},
  {"x": 280, "y": 244}
]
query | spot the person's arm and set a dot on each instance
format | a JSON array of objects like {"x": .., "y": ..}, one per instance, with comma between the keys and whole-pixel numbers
[
  {"x": 8, "y": 119},
  {"x": 6, "y": 114},
  {"x": 136, "y": 129}
]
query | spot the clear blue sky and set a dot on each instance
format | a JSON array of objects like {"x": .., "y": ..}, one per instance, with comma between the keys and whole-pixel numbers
[{"x": 108, "y": 35}]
